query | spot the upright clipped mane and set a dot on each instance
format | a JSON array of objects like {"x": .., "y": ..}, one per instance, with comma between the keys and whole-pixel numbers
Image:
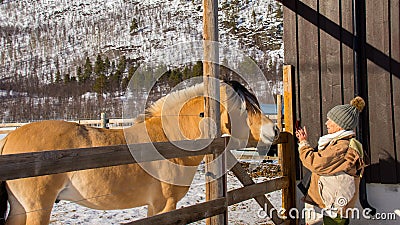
[
  {"x": 248, "y": 98},
  {"x": 252, "y": 104}
]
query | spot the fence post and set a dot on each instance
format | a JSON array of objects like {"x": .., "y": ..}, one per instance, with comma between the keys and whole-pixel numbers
[
  {"x": 288, "y": 155},
  {"x": 215, "y": 187},
  {"x": 279, "y": 125},
  {"x": 103, "y": 120}
]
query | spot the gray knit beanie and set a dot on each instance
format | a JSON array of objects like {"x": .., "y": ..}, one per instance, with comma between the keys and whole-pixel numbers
[{"x": 346, "y": 116}]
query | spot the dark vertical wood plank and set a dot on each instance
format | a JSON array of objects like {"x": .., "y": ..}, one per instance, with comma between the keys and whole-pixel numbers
[
  {"x": 331, "y": 82},
  {"x": 309, "y": 75},
  {"x": 289, "y": 35},
  {"x": 291, "y": 58},
  {"x": 379, "y": 94},
  {"x": 347, "y": 61},
  {"x": 395, "y": 47}
]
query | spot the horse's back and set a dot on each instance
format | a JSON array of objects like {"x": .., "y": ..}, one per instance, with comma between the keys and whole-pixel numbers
[{"x": 49, "y": 135}]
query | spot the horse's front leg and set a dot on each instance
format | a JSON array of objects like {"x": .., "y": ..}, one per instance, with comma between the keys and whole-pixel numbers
[
  {"x": 170, "y": 205},
  {"x": 155, "y": 208},
  {"x": 172, "y": 194}
]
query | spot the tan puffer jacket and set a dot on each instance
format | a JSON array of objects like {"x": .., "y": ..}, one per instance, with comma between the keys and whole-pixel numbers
[{"x": 343, "y": 156}]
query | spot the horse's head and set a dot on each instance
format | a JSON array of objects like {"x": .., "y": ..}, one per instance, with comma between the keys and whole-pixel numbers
[
  {"x": 178, "y": 115},
  {"x": 242, "y": 118}
]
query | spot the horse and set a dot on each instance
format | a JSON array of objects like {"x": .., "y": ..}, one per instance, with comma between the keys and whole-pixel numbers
[{"x": 126, "y": 186}]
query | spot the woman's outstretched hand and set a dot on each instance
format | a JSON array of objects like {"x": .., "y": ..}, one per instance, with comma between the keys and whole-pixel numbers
[{"x": 301, "y": 134}]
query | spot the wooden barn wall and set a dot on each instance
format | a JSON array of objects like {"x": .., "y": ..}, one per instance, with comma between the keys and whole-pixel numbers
[{"x": 318, "y": 41}]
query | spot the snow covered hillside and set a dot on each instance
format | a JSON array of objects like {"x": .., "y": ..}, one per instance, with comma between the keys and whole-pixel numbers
[
  {"x": 45, "y": 47},
  {"x": 39, "y": 37}
]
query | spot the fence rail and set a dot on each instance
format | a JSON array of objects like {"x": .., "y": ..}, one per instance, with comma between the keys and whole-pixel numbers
[
  {"x": 15, "y": 166},
  {"x": 23, "y": 165},
  {"x": 113, "y": 123}
]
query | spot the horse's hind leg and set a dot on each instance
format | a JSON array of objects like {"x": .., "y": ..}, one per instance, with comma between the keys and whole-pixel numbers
[
  {"x": 28, "y": 213},
  {"x": 32, "y": 199},
  {"x": 17, "y": 213}
]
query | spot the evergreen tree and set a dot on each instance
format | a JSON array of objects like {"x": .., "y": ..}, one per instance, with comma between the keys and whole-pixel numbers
[
  {"x": 99, "y": 66},
  {"x": 125, "y": 82},
  {"x": 131, "y": 71},
  {"x": 67, "y": 78},
  {"x": 115, "y": 80},
  {"x": 107, "y": 65},
  {"x": 175, "y": 77},
  {"x": 87, "y": 73},
  {"x": 51, "y": 77},
  {"x": 134, "y": 25},
  {"x": 186, "y": 73},
  {"x": 100, "y": 84},
  {"x": 197, "y": 69},
  {"x": 58, "y": 77},
  {"x": 79, "y": 74},
  {"x": 122, "y": 64}
]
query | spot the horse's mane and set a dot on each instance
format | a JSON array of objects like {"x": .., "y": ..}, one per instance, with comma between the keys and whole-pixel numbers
[
  {"x": 252, "y": 104},
  {"x": 247, "y": 98}
]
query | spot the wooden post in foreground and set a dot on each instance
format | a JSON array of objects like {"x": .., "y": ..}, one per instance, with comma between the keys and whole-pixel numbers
[
  {"x": 214, "y": 188},
  {"x": 279, "y": 125},
  {"x": 288, "y": 155}
]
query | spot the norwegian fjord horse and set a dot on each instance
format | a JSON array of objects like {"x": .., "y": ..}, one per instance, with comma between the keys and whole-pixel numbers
[{"x": 173, "y": 117}]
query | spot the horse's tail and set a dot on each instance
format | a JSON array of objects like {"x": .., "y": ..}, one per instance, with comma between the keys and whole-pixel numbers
[
  {"x": 2, "y": 143},
  {"x": 3, "y": 191},
  {"x": 3, "y": 202}
]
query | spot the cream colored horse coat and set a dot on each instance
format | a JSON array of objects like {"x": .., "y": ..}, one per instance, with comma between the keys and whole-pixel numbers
[{"x": 126, "y": 186}]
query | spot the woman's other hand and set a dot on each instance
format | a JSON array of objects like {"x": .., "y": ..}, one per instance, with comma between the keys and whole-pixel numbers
[{"x": 301, "y": 134}]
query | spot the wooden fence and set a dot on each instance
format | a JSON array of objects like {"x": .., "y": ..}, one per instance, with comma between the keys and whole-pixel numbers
[
  {"x": 59, "y": 161},
  {"x": 24, "y": 165}
]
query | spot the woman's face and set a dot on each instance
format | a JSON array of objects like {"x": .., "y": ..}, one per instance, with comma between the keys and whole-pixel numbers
[{"x": 332, "y": 126}]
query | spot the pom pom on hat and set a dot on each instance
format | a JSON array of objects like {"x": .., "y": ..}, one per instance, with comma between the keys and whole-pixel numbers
[{"x": 358, "y": 102}]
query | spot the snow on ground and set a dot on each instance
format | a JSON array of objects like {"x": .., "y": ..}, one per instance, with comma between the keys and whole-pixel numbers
[
  {"x": 4, "y": 131},
  {"x": 244, "y": 213}
]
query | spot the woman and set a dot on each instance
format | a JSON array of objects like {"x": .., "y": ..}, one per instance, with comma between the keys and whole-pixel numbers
[{"x": 336, "y": 166}]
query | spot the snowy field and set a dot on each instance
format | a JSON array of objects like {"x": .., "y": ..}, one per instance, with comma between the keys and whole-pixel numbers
[{"x": 244, "y": 213}]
